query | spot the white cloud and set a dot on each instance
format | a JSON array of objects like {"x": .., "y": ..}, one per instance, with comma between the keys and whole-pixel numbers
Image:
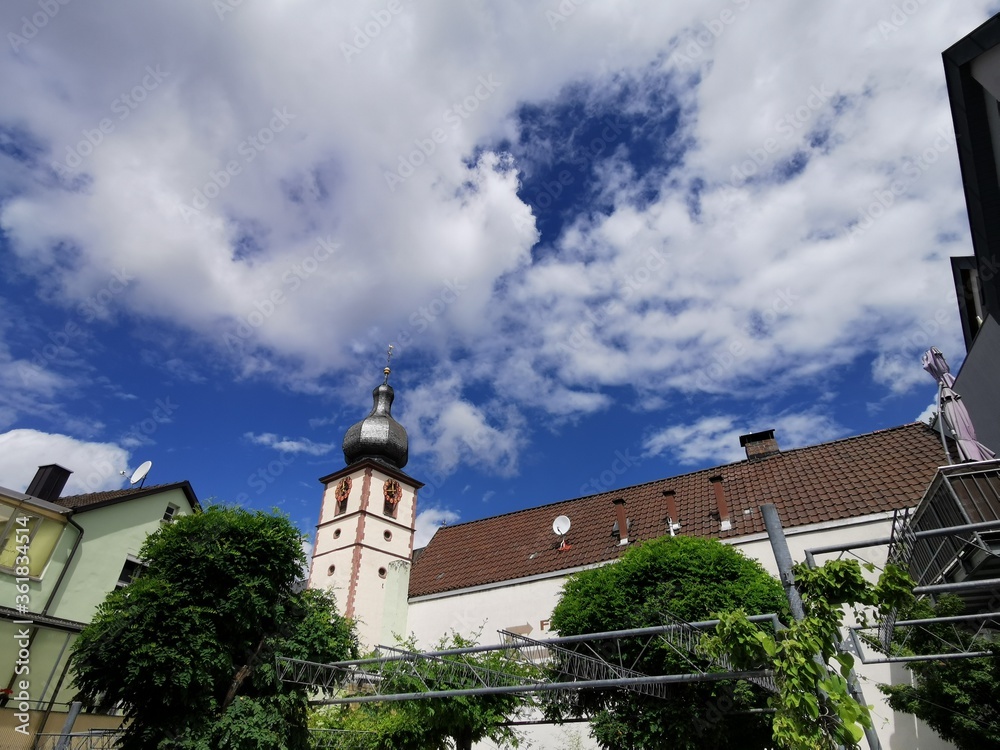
[
  {"x": 95, "y": 466},
  {"x": 928, "y": 414},
  {"x": 749, "y": 257},
  {"x": 715, "y": 439},
  {"x": 290, "y": 445},
  {"x": 454, "y": 431},
  {"x": 430, "y": 520},
  {"x": 711, "y": 439}
]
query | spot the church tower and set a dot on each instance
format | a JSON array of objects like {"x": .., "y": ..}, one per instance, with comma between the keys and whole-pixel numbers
[{"x": 364, "y": 539}]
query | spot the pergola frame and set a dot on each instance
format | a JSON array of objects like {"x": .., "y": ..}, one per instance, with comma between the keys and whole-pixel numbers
[{"x": 362, "y": 680}]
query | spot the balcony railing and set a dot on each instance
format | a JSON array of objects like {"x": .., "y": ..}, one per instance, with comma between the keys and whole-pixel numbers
[
  {"x": 959, "y": 495},
  {"x": 95, "y": 740}
]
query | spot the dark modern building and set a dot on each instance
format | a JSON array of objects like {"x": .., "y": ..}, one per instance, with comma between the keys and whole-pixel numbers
[{"x": 972, "y": 71}]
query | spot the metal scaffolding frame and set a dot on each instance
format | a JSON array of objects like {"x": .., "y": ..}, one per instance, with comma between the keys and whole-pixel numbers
[
  {"x": 447, "y": 673},
  {"x": 366, "y": 680}
]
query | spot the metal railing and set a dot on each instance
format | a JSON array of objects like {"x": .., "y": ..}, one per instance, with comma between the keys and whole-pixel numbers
[
  {"x": 959, "y": 495},
  {"x": 93, "y": 740}
]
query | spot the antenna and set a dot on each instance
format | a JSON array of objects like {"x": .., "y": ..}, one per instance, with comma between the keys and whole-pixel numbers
[
  {"x": 561, "y": 527},
  {"x": 139, "y": 475}
]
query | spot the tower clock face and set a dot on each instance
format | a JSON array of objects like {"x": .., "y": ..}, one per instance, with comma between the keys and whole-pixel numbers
[
  {"x": 392, "y": 491},
  {"x": 343, "y": 489}
]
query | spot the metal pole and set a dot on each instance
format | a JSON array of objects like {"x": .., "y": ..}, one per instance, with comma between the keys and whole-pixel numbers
[
  {"x": 940, "y": 420},
  {"x": 779, "y": 546},
  {"x": 64, "y": 739}
]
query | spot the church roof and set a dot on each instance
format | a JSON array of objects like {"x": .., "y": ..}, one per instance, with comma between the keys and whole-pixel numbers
[{"x": 867, "y": 474}]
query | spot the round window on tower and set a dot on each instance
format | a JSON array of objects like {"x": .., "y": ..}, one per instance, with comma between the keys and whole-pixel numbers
[
  {"x": 331, "y": 569},
  {"x": 336, "y": 533},
  {"x": 387, "y": 535},
  {"x": 381, "y": 572}
]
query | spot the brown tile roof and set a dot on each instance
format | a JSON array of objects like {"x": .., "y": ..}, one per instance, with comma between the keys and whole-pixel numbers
[
  {"x": 871, "y": 473},
  {"x": 93, "y": 500}
]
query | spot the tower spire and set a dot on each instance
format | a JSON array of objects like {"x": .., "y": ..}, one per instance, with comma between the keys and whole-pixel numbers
[{"x": 378, "y": 436}]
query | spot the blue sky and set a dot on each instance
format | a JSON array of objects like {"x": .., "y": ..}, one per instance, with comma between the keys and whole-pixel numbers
[{"x": 605, "y": 239}]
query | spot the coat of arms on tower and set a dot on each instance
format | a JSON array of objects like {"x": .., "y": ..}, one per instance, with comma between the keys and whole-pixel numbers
[{"x": 392, "y": 491}]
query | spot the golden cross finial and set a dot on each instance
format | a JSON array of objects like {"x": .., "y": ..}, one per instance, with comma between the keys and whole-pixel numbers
[{"x": 388, "y": 359}]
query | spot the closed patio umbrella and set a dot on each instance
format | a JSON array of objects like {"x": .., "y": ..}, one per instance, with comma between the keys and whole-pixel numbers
[{"x": 951, "y": 409}]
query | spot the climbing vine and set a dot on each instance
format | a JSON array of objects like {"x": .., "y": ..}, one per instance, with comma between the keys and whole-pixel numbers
[{"x": 814, "y": 708}]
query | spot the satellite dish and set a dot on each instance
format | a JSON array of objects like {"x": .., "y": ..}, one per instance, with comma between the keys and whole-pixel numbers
[
  {"x": 561, "y": 525},
  {"x": 140, "y": 474}
]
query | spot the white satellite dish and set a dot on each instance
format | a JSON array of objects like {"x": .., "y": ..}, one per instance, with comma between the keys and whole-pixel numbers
[
  {"x": 140, "y": 474},
  {"x": 561, "y": 525}
]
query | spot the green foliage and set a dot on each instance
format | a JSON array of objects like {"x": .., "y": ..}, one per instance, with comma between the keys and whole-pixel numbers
[
  {"x": 814, "y": 708},
  {"x": 958, "y": 698},
  {"x": 187, "y": 650},
  {"x": 690, "y": 579},
  {"x": 433, "y": 724}
]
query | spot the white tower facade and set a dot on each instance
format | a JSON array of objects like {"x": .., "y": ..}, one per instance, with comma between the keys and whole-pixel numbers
[{"x": 364, "y": 538}]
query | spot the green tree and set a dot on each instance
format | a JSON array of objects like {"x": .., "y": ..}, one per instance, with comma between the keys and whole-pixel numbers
[
  {"x": 690, "y": 579},
  {"x": 958, "y": 698},
  {"x": 187, "y": 650},
  {"x": 435, "y": 723},
  {"x": 814, "y": 709}
]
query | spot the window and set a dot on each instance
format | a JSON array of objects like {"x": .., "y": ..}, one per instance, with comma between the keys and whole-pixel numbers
[
  {"x": 131, "y": 570},
  {"x": 169, "y": 513},
  {"x": 27, "y": 535}
]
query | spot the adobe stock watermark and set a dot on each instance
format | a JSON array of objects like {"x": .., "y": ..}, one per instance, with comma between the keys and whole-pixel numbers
[
  {"x": 264, "y": 476},
  {"x": 905, "y": 355},
  {"x": 123, "y": 106},
  {"x": 249, "y": 148},
  {"x": 425, "y": 147},
  {"x": 139, "y": 432},
  {"x": 424, "y": 316},
  {"x": 32, "y": 25},
  {"x": 608, "y": 478},
  {"x": 717, "y": 370},
  {"x": 562, "y": 12},
  {"x": 223, "y": 8},
  {"x": 913, "y": 170},
  {"x": 60, "y": 339},
  {"x": 701, "y": 40},
  {"x": 291, "y": 279},
  {"x": 597, "y": 316},
  {"x": 363, "y": 35},
  {"x": 898, "y": 18},
  {"x": 786, "y": 126},
  {"x": 548, "y": 193}
]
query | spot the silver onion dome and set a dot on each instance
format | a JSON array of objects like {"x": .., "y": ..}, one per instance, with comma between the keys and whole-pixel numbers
[{"x": 378, "y": 436}]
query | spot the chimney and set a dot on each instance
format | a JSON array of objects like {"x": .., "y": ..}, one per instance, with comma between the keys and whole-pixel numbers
[
  {"x": 673, "y": 524},
  {"x": 49, "y": 482},
  {"x": 621, "y": 525},
  {"x": 759, "y": 445},
  {"x": 720, "y": 500}
]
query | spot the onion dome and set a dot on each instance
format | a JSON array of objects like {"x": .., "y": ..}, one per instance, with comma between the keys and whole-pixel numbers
[{"x": 378, "y": 436}]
